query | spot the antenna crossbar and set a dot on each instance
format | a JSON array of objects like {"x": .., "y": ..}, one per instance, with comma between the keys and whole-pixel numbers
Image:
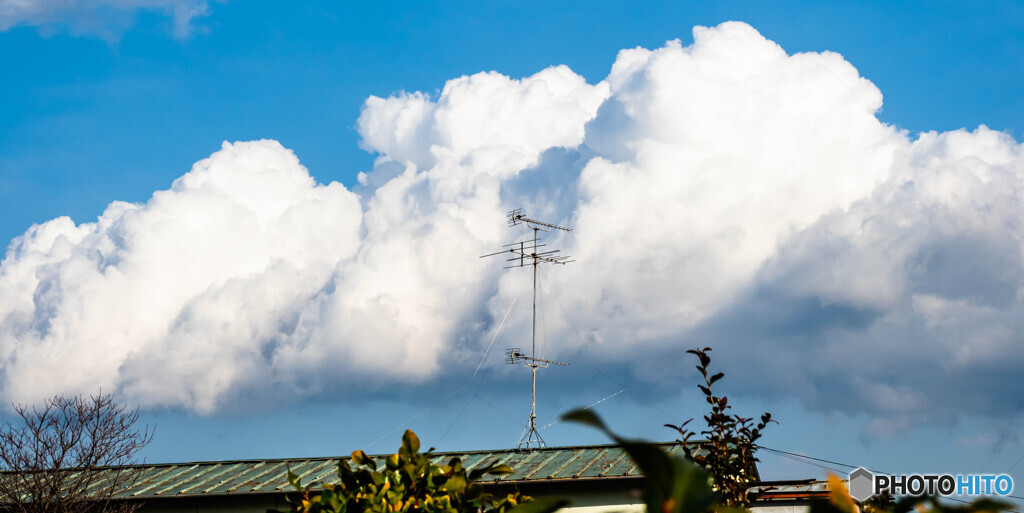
[{"x": 521, "y": 243}]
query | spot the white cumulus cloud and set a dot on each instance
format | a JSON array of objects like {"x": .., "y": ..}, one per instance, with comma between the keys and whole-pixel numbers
[
  {"x": 724, "y": 193},
  {"x": 174, "y": 300}
]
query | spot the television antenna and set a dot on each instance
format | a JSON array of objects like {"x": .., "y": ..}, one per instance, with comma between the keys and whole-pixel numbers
[{"x": 525, "y": 253}]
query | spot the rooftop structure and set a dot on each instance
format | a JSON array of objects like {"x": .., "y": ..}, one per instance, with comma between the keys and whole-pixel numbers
[
  {"x": 217, "y": 478},
  {"x": 597, "y": 478}
]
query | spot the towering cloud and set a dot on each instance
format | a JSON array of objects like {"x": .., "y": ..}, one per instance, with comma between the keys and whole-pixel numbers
[
  {"x": 177, "y": 300},
  {"x": 723, "y": 193}
]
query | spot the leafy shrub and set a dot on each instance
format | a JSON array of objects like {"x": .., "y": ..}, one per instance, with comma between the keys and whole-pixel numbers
[
  {"x": 409, "y": 483},
  {"x": 728, "y": 453},
  {"x": 682, "y": 485},
  {"x": 678, "y": 485}
]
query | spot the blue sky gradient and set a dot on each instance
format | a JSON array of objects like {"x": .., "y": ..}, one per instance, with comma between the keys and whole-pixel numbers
[
  {"x": 113, "y": 111},
  {"x": 87, "y": 121}
]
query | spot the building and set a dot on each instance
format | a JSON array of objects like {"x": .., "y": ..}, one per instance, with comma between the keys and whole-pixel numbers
[{"x": 596, "y": 479}]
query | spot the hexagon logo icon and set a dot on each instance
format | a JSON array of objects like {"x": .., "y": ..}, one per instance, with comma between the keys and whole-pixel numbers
[{"x": 861, "y": 484}]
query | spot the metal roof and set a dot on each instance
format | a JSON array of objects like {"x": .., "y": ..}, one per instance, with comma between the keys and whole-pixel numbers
[{"x": 212, "y": 478}]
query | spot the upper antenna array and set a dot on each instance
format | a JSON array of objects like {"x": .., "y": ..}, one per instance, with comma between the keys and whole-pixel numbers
[
  {"x": 516, "y": 216},
  {"x": 514, "y": 356},
  {"x": 524, "y": 253}
]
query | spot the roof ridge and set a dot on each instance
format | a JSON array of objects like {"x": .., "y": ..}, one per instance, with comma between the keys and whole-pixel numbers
[{"x": 382, "y": 455}]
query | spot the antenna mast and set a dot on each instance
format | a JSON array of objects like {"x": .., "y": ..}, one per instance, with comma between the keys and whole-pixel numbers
[{"x": 528, "y": 253}]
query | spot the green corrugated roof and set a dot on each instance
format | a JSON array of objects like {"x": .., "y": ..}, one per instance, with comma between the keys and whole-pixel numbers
[{"x": 209, "y": 478}]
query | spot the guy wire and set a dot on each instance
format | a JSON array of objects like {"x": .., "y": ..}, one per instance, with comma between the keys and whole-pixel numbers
[
  {"x": 497, "y": 332},
  {"x": 593, "y": 361},
  {"x": 589, "y": 406},
  {"x": 418, "y": 415}
]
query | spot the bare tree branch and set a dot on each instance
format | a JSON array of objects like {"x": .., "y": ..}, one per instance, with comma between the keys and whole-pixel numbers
[{"x": 70, "y": 455}]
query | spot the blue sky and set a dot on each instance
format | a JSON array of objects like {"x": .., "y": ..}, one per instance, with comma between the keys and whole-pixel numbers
[
  {"x": 300, "y": 75},
  {"x": 118, "y": 104}
]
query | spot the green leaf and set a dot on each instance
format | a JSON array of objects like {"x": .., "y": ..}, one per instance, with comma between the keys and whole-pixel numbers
[
  {"x": 691, "y": 490},
  {"x": 499, "y": 470},
  {"x": 293, "y": 479},
  {"x": 672, "y": 485},
  {"x": 360, "y": 458},
  {"x": 490, "y": 469},
  {"x": 411, "y": 442},
  {"x": 587, "y": 417},
  {"x": 456, "y": 484}
]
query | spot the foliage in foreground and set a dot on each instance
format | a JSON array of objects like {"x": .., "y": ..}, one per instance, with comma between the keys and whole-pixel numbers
[
  {"x": 678, "y": 485},
  {"x": 730, "y": 440},
  {"x": 672, "y": 484},
  {"x": 410, "y": 482},
  {"x": 717, "y": 478},
  {"x": 51, "y": 457}
]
